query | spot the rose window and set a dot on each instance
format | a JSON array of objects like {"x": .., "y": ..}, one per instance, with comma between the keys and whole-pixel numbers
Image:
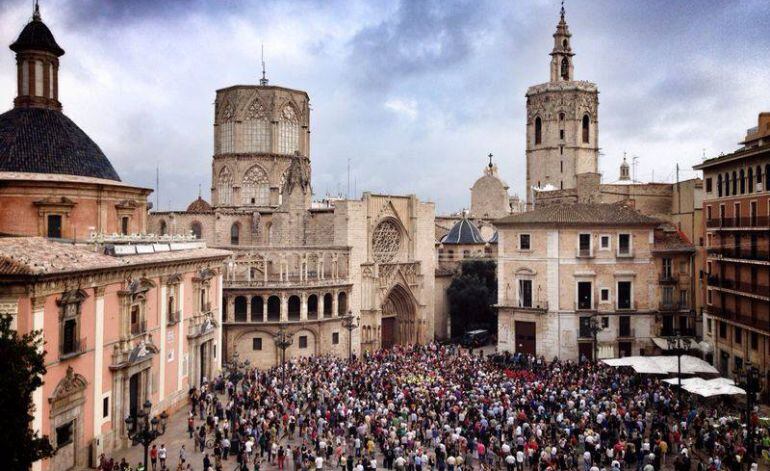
[{"x": 386, "y": 241}]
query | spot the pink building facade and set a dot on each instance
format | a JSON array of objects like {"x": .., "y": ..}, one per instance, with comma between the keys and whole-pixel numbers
[{"x": 118, "y": 330}]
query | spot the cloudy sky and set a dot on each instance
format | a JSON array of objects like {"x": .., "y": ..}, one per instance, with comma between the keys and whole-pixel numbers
[{"x": 413, "y": 94}]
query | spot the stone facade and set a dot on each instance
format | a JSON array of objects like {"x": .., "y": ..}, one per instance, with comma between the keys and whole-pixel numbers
[
  {"x": 562, "y": 123},
  {"x": 338, "y": 278}
]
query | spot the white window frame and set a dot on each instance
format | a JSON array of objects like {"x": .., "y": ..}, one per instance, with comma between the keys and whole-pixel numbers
[
  {"x": 602, "y": 238},
  {"x": 530, "y": 242},
  {"x": 590, "y": 243},
  {"x": 630, "y": 245},
  {"x": 609, "y": 295}
]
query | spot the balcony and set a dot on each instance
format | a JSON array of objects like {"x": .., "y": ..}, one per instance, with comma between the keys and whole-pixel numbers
[
  {"x": 173, "y": 317},
  {"x": 585, "y": 306},
  {"x": 625, "y": 254},
  {"x": 744, "y": 254},
  {"x": 760, "y": 321},
  {"x": 626, "y": 333},
  {"x": 672, "y": 306},
  {"x": 584, "y": 253},
  {"x": 743, "y": 222},
  {"x": 671, "y": 332},
  {"x": 138, "y": 328},
  {"x": 753, "y": 289},
  {"x": 667, "y": 279},
  {"x": 263, "y": 267},
  {"x": 206, "y": 307},
  {"x": 626, "y": 306},
  {"x": 539, "y": 307},
  {"x": 72, "y": 348}
]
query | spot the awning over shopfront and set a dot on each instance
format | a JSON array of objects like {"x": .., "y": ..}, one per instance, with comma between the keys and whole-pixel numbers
[{"x": 663, "y": 364}]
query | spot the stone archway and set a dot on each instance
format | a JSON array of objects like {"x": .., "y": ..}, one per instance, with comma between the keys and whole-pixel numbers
[{"x": 399, "y": 318}]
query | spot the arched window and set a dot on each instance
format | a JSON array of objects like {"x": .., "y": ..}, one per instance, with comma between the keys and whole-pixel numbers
[
  {"x": 727, "y": 184},
  {"x": 240, "y": 309},
  {"x": 235, "y": 232},
  {"x": 227, "y": 130},
  {"x": 256, "y": 128},
  {"x": 255, "y": 188},
  {"x": 328, "y": 300},
  {"x": 735, "y": 183},
  {"x": 273, "y": 308},
  {"x": 767, "y": 177},
  {"x": 294, "y": 306},
  {"x": 342, "y": 304},
  {"x": 561, "y": 116},
  {"x": 750, "y": 180},
  {"x": 225, "y": 186},
  {"x": 759, "y": 174},
  {"x": 312, "y": 307},
  {"x": 565, "y": 69},
  {"x": 538, "y": 130},
  {"x": 586, "y": 127},
  {"x": 257, "y": 306},
  {"x": 742, "y": 181},
  {"x": 288, "y": 131},
  {"x": 196, "y": 229},
  {"x": 163, "y": 227},
  {"x": 719, "y": 185}
]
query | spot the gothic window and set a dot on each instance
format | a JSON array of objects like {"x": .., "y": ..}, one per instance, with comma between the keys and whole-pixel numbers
[
  {"x": 342, "y": 304},
  {"x": 386, "y": 241},
  {"x": 256, "y": 129},
  {"x": 727, "y": 184},
  {"x": 565, "y": 69},
  {"x": 235, "y": 232},
  {"x": 538, "y": 130},
  {"x": 225, "y": 186},
  {"x": 586, "y": 129},
  {"x": 255, "y": 189},
  {"x": 288, "y": 131},
  {"x": 196, "y": 229},
  {"x": 561, "y": 116},
  {"x": 227, "y": 131},
  {"x": 750, "y": 180},
  {"x": 735, "y": 183},
  {"x": 767, "y": 177},
  {"x": 759, "y": 174}
]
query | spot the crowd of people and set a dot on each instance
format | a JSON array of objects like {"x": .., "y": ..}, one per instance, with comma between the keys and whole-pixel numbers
[{"x": 442, "y": 408}]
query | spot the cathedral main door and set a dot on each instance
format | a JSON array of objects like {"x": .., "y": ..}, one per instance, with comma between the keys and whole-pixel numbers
[{"x": 399, "y": 319}]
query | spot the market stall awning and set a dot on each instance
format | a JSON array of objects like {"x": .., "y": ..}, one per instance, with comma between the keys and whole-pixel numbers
[
  {"x": 708, "y": 387},
  {"x": 663, "y": 364}
]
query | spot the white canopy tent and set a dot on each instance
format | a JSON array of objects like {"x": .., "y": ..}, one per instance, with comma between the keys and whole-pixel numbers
[
  {"x": 708, "y": 387},
  {"x": 663, "y": 364}
]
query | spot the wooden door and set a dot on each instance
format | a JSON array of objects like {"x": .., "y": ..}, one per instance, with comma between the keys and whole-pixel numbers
[
  {"x": 525, "y": 337},
  {"x": 388, "y": 332}
]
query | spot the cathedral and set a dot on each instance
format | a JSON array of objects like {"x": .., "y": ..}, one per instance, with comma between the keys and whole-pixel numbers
[{"x": 304, "y": 279}]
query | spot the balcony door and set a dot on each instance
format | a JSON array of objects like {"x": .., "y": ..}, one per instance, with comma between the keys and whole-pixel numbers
[
  {"x": 624, "y": 295},
  {"x": 525, "y": 293},
  {"x": 585, "y": 295}
]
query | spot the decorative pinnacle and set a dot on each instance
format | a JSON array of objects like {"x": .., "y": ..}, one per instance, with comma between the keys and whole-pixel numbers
[
  {"x": 490, "y": 159},
  {"x": 36, "y": 12},
  {"x": 263, "y": 80},
  {"x": 562, "y": 11}
]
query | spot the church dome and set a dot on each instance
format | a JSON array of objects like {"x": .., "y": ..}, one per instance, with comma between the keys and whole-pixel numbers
[
  {"x": 37, "y": 37},
  {"x": 40, "y": 140},
  {"x": 463, "y": 232},
  {"x": 199, "y": 206}
]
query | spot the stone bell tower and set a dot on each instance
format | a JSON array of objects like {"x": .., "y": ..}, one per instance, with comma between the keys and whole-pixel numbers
[{"x": 562, "y": 122}]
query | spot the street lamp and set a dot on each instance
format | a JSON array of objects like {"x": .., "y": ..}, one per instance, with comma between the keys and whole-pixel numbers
[
  {"x": 596, "y": 327},
  {"x": 679, "y": 345},
  {"x": 144, "y": 430},
  {"x": 283, "y": 340},
  {"x": 748, "y": 377},
  {"x": 349, "y": 322}
]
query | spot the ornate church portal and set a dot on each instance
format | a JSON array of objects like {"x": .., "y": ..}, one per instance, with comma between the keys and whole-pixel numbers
[{"x": 399, "y": 320}]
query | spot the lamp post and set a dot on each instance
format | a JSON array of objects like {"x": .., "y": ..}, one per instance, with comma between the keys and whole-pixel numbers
[
  {"x": 144, "y": 430},
  {"x": 748, "y": 377},
  {"x": 678, "y": 345},
  {"x": 350, "y": 323},
  {"x": 596, "y": 327},
  {"x": 283, "y": 340}
]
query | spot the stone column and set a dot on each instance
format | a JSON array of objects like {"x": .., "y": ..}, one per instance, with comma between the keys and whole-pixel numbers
[
  {"x": 284, "y": 307},
  {"x": 335, "y": 303},
  {"x": 264, "y": 309},
  {"x": 162, "y": 342},
  {"x": 98, "y": 360},
  {"x": 38, "y": 321},
  {"x": 248, "y": 308},
  {"x": 321, "y": 305},
  {"x": 180, "y": 334},
  {"x": 303, "y": 307}
]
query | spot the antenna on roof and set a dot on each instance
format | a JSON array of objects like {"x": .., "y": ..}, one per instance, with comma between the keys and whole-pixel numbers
[
  {"x": 263, "y": 80},
  {"x": 36, "y": 11}
]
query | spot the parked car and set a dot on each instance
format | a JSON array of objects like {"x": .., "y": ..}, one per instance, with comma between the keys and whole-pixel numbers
[{"x": 475, "y": 338}]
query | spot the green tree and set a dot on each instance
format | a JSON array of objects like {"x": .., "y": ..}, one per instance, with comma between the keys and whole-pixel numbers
[
  {"x": 23, "y": 366},
  {"x": 472, "y": 294}
]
